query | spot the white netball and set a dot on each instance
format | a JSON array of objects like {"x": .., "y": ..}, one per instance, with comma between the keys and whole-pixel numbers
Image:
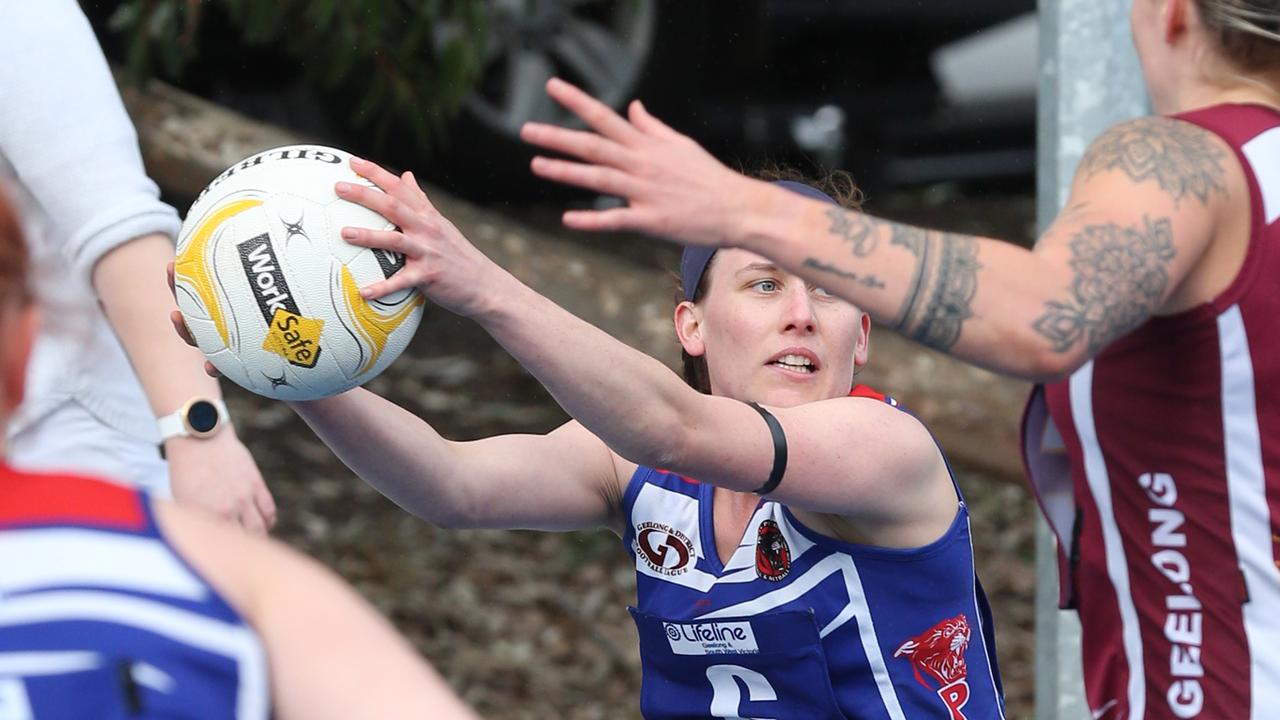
[{"x": 271, "y": 291}]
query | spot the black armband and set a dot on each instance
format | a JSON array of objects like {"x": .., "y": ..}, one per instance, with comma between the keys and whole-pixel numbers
[{"x": 779, "y": 451}]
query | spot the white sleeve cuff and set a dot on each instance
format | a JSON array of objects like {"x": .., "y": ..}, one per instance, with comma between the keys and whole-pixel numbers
[{"x": 107, "y": 232}]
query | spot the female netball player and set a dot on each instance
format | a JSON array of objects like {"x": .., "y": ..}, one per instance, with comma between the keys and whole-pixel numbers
[{"x": 800, "y": 552}]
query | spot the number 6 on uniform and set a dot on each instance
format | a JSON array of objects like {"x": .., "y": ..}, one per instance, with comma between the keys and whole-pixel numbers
[
  {"x": 725, "y": 695},
  {"x": 13, "y": 700}
]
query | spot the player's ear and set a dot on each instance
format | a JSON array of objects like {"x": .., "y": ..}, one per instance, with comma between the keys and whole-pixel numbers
[
  {"x": 862, "y": 345},
  {"x": 688, "y": 319},
  {"x": 1177, "y": 17}
]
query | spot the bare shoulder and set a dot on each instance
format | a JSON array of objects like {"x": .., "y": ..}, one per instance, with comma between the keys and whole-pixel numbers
[
  {"x": 906, "y": 497},
  {"x": 874, "y": 426},
  {"x": 1184, "y": 161},
  {"x": 899, "y": 431},
  {"x": 860, "y": 408}
]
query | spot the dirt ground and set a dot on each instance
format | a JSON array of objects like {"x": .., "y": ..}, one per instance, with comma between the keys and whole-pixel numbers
[{"x": 534, "y": 625}]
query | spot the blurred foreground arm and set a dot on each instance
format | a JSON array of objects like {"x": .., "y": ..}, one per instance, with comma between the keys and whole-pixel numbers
[
  {"x": 331, "y": 655},
  {"x": 84, "y": 168},
  {"x": 217, "y": 474}
]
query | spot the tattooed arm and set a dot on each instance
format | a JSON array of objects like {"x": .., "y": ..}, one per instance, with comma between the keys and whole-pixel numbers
[{"x": 1143, "y": 209}]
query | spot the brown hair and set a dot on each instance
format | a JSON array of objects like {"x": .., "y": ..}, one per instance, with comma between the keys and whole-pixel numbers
[
  {"x": 14, "y": 259},
  {"x": 837, "y": 184},
  {"x": 1247, "y": 31}
]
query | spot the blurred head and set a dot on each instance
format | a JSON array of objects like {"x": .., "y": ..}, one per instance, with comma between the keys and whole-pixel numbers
[
  {"x": 1187, "y": 44},
  {"x": 17, "y": 311},
  {"x": 753, "y": 332}
]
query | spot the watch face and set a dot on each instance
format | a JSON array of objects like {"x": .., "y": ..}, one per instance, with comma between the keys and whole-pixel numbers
[{"x": 202, "y": 416}]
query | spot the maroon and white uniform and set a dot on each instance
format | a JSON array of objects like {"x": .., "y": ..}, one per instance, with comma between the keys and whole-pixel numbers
[{"x": 1158, "y": 467}]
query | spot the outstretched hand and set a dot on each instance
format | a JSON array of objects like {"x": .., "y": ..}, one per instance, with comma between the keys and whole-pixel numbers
[
  {"x": 439, "y": 260},
  {"x": 673, "y": 187}
]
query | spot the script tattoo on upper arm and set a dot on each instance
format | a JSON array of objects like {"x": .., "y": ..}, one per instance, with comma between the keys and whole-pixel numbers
[
  {"x": 1179, "y": 157},
  {"x": 868, "y": 281},
  {"x": 945, "y": 280},
  {"x": 854, "y": 228},
  {"x": 1120, "y": 275}
]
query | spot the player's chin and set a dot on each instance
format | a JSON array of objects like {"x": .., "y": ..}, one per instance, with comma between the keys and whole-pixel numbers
[{"x": 789, "y": 392}]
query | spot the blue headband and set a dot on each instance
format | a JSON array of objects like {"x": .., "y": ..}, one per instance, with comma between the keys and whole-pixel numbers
[{"x": 694, "y": 261}]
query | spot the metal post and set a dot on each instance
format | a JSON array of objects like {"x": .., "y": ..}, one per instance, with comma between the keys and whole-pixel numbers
[{"x": 1089, "y": 80}]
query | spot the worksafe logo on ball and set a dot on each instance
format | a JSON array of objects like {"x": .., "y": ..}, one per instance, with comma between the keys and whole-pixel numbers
[
  {"x": 289, "y": 335},
  {"x": 664, "y": 549},
  {"x": 294, "y": 338},
  {"x": 711, "y": 638}
]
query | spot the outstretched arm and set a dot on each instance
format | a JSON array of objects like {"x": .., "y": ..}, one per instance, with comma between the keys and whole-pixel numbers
[
  {"x": 1140, "y": 216},
  {"x": 638, "y": 407},
  {"x": 564, "y": 480}
]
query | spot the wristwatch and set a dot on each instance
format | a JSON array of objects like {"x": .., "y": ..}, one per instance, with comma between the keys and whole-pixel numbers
[{"x": 198, "y": 418}]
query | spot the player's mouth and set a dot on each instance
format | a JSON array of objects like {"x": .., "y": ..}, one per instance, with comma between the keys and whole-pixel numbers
[{"x": 799, "y": 361}]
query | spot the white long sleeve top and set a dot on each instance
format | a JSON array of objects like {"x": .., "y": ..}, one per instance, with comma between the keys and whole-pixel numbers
[{"x": 69, "y": 152}]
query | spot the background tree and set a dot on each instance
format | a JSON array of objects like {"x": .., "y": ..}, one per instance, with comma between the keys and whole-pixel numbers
[{"x": 379, "y": 64}]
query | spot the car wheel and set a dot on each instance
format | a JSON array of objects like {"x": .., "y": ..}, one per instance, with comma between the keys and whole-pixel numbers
[{"x": 616, "y": 50}]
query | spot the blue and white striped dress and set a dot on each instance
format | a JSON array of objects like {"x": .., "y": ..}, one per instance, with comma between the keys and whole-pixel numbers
[{"x": 101, "y": 618}]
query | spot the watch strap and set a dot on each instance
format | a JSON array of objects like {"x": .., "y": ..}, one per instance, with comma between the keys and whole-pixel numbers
[{"x": 175, "y": 424}]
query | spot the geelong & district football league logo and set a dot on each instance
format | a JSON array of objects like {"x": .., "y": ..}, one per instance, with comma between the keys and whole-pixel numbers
[{"x": 664, "y": 549}]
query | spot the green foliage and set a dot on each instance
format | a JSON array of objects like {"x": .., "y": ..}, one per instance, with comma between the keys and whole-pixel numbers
[{"x": 396, "y": 61}]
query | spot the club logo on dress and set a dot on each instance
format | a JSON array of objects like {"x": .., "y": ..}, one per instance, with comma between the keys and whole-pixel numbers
[
  {"x": 939, "y": 653},
  {"x": 664, "y": 549},
  {"x": 773, "y": 556}
]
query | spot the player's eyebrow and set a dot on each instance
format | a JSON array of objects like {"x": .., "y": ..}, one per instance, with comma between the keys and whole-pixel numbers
[{"x": 767, "y": 267}]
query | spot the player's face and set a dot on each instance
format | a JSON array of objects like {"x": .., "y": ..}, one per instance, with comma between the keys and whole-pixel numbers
[{"x": 769, "y": 336}]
